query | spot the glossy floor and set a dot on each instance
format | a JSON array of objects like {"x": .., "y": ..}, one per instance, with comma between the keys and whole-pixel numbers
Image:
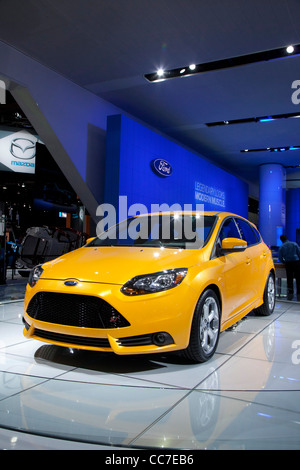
[{"x": 246, "y": 397}]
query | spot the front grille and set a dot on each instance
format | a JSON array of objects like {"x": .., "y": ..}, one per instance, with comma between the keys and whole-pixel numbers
[
  {"x": 75, "y": 310},
  {"x": 70, "y": 339}
]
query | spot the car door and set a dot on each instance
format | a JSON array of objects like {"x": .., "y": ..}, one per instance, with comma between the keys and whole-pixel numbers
[
  {"x": 235, "y": 272},
  {"x": 256, "y": 256}
]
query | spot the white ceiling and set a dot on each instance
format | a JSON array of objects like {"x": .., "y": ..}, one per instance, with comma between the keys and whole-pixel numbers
[{"x": 107, "y": 46}]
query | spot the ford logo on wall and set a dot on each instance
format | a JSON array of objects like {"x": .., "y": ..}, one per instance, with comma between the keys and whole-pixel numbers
[{"x": 161, "y": 167}]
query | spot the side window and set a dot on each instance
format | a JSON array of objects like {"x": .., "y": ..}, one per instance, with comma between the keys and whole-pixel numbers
[
  {"x": 229, "y": 230},
  {"x": 247, "y": 232}
]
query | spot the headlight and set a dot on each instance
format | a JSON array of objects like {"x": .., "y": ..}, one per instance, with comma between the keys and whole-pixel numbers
[
  {"x": 34, "y": 275},
  {"x": 156, "y": 282}
]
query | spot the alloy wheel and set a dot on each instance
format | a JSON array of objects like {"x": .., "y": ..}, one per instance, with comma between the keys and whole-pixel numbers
[
  {"x": 271, "y": 293},
  {"x": 209, "y": 325}
]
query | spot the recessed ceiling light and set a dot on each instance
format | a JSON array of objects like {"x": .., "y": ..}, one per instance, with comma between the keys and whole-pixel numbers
[
  {"x": 273, "y": 149},
  {"x": 266, "y": 119},
  {"x": 220, "y": 64},
  {"x": 257, "y": 119}
]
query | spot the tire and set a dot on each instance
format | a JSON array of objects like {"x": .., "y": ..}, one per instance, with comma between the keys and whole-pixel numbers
[
  {"x": 205, "y": 329},
  {"x": 269, "y": 298}
]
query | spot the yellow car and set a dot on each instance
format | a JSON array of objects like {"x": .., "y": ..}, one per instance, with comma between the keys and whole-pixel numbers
[{"x": 154, "y": 283}]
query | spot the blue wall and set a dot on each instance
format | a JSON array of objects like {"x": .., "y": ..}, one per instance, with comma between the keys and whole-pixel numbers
[{"x": 130, "y": 148}]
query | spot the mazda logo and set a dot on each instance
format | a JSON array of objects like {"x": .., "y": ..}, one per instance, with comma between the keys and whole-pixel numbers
[{"x": 21, "y": 148}]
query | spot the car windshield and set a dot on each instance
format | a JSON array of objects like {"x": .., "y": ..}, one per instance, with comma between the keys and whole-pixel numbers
[{"x": 188, "y": 231}]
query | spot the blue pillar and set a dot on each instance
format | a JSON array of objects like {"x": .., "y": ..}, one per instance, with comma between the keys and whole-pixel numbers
[
  {"x": 293, "y": 214},
  {"x": 272, "y": 185}
]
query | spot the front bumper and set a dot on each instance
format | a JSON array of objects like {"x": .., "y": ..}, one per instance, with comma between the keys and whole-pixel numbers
[{"x": 143, "y": 324}]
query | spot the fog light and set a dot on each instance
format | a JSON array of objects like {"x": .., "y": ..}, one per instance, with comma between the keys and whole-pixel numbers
[{"x": 162, "y": 338}]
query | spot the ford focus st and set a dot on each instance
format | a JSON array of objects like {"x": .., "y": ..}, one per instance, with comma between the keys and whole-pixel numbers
[{"x": 152, "y": 284}]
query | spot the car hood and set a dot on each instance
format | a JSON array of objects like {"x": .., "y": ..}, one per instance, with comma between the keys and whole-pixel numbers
[{"x": 116, "y": 265}]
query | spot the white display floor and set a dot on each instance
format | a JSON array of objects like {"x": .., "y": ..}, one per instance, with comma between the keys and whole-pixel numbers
[{"x": 246, "y": 397}]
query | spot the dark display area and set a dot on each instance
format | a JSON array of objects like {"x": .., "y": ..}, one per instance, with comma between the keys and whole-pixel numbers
[
  {"x": 40, "y": 199},
  {"x": 43, "y": 200}
]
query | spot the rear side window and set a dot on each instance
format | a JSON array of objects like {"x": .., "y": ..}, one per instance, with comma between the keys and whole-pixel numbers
[
  {"x": 247, "y": 233},
  {"x": 257, "y": 234}
]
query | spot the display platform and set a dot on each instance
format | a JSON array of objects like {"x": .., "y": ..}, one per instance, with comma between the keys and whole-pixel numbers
[{"x": 246, "y": 397}]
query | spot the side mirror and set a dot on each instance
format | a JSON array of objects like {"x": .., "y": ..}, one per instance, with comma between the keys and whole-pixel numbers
[
  {"x": 233, "y": 245},
  {"x": 89, "y": 240}
]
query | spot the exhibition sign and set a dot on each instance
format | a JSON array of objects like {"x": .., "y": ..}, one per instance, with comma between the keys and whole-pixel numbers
[
  {"x": 18, "y": 151},
  {"x": 209, "y": 194}
]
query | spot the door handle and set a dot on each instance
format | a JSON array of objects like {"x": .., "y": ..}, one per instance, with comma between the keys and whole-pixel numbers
[{"x": 248, "y": 260}]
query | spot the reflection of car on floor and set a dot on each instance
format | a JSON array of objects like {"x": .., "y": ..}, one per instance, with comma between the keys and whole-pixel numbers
[
  {"x": 203, "y": 420},
  {"x": 154, "y": 283}
]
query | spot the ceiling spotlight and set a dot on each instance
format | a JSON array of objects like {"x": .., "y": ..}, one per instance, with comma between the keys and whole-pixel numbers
[
  {"x": 256, "y": 119},
  {"x": 290, "y": 49},
  {"x": 273, "y": 149},
  {"x": 182, "y": 71},
  {"x": 230, "y": 62}
]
